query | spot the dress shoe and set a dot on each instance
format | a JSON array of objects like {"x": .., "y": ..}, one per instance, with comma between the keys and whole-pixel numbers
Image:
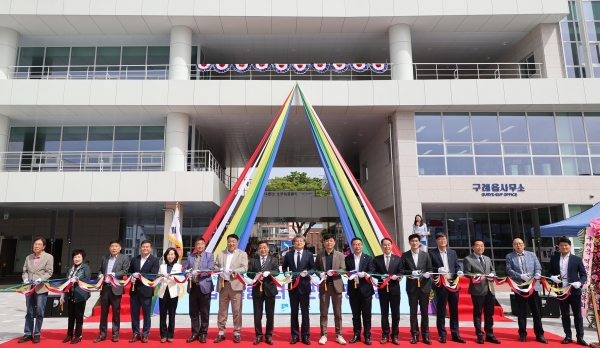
[
  {"x": 170, "y": 340},
  {"x": 384, "y": 340},
  {"x": 414, "y": 339},
  {"x": 340, "y": 339},
  {"x": 522, "y": 338},
  {"x": 426, "y": 340},
  {"x": 202, "y": 338},
  {"x": 237, "y": 338},
  {"x": 144, "y": 339},
  {"x": 99, "y": 339},
  {"x": 76, "y": 340},
  {"x": 542, "y": 339},
  {"x": 163, "y": 339},
  {"x": 306, "y": 341},
  {"x": 368, "y": 341},
  {"x": 323, "y": 340},
  {"x": 442, "y": 339},
  {"x": 68, "y": 339},
  {"x": 258, "y": 340},
  {"x": 458, "y": 339},
  {"x": 25, "y": 338},
  {"x": 219, "y": 339},
  {"x": 294, "y": 340},
  {"x": 191, "y": 339},
  {"x": 395, "y": 341},
  {"x": 115, "y": 338},
  {"x": 269, "y": 340},
  {"x": 580, "y": 342},
  {"x": 492, "y": 339},
  {"x": 354, "y": 339},
  {"x": 135, "y": 338},
  {"x": 480, "y": 340},
  {"x": 567, "y": 340},
  {"x": 36, "y": 339}
]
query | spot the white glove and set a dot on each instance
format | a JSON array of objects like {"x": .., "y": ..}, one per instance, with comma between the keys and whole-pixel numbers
[
  {"x": 361, "y": 274},
  {"x": 394, "y": 277},
  {"x": 426, "y": 275},
  {"x": 442, "y": 270},
  {"x": 226, "y": 275},
  {"x": 576, "y": 285},
  {"x": 196, "y": 272},
  {"x": 491, "y": 275},
  {"x": 525, "y": 277},
  {"x": 460, "y": 273},
  {"x": 25, "y": 280},
  {"x": 415, "y": 273},
  {"x": 304, "y": 273},
  {"x": 136, "y": 275},
  {"x": 323, "y": 275},
  {"x": 266, "y": 273},
  {"x": 330, "y": 273},
  {"x": 73, "y": 280},
  {"x": 286, "y": 274},
  {"x": 111, "y": 274},
  {"x": 62, "y": 298},
  {"x": 555, "y": 279},
  {"x": 100, "y": 274},
  {"x": 37, "y": 281},
  {"x": 538, "y": 276}
]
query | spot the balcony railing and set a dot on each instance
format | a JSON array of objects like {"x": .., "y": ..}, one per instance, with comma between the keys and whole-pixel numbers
[
  {"x": 421, "y": 71},
  {"x": 202, "y": 161}
]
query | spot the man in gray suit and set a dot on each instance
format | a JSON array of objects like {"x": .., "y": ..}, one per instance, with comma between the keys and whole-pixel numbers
[
  {"x": 521, "y": 266},
  {"x": 482, "y": 294},
  {"x": 200, "y": 290},
  {"x": 417, "y": 263},
  {"x": 37, "y": 267},
  {"x": 116, "y": 265}
]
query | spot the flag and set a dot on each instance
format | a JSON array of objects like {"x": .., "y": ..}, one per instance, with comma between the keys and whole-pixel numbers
[{"x": 175, "y": 234}]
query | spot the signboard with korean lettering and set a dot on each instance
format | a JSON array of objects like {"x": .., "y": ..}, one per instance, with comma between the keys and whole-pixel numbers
[{"x": 498, "y": 190}]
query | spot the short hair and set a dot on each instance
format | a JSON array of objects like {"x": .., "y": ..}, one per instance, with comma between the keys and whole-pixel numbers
[
  {"x": 115, "y": 241},
  {"x": 564, "y": 240},
  {"x": 518, "y": 238},
  {"x": 388, "y": 239},
  {"x": 413, "y": 236},
  {"x": 146, "y": 241},
  {"x": 197, "y": 239},
  {"x": 440, "y": 235},
  {"x": 78, "y": 252},
  {"x": 35, "y": 239},
  {"x": 262, "y": 242},
  {"x": 328, "y": 236},
  {"x": 477, "y": 240},
  {"x": 233, "y": 236},
  {"x": 166, "y": 253},
  {"x": 300, "y": 237},
  {"x": 355, "y": 238}
]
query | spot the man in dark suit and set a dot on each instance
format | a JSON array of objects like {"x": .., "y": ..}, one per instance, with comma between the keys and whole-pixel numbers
[
  {"x": 140, "y": 295},
  {"x": 389, "y": 296},
  {"x": 417, "y": 263},
  {"x": 300, "y": 260},
  {"x": 360, "y": 290},
  {"x": 200, "y": 290},
  {"x": 116, "y": 265},
  {"x": 445, "y": 261},
  {"x": 264, "y": 292},
  {"x": 482, "y": 294},
  {"x": 567, "y": 268}
]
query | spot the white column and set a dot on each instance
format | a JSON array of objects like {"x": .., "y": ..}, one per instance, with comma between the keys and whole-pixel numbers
[
  {"x": 9, "y": 43},
  {"x": 401, "y": 52},
  {"x": 176, "y": 141},
  {"x": 180, "y": 54},
  {"x": 4, "y": 130}
]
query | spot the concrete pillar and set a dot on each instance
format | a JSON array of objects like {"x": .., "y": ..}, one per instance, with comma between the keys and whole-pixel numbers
[
  {"x": 176, "y": 141},
  {"x": 180, "y": 54},
  {"x": 9, "y": 43},
  {"x": 4, "y": 131},
  {"x": 401, "y": 52}
]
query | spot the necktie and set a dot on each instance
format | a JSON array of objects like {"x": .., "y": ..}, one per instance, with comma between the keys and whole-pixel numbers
[
  {"x": 297, "y": 260},
  {"x": 196, "y": 265},
  {"x": 262, "y": 264},
  {"x": 482, "y": 263},
  {"x": 387, "y": 262},
  {"x": 523, "y": 267}
]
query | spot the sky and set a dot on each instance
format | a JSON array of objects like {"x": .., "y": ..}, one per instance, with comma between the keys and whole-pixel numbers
[{"x": 312, "y": 172}]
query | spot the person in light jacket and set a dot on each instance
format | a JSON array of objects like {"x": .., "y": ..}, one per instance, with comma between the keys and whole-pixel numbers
[
  {"x": 168, "y": 294},
  {"x": 76, "y": 297}
]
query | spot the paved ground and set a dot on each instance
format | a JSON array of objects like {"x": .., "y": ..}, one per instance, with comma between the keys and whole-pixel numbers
[{"x": 12, "y": 315}]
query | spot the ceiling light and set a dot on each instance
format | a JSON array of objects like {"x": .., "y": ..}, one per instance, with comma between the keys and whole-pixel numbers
[
  {"x": 354, "y": 142},
  {"x": 339, "y": 49},
  {"x": 475, "y": 49},
  {"x": 463, "y": 129},
  {"x": 507, "y": 129},
  {"x": 384, "y": 49},
  {"x": 360, "y": 135},
  {"x": 488, "y": 58},
  {"x": 247, "y": 50},
  {"x": 429, "y": 49},
  {"x": 504, "y": 43},
  {"x": 293, "y": 50},
  {"x": 421, "y": 128}
]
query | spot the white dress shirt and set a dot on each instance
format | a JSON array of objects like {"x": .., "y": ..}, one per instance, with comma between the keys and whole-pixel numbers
[
  {"x": 357, "y": 261},
  {"x": 444, "y": 255},
  {"x": 109, "y": 267},
  {"x": 143, "y": 260},
  {"x": 415, "y": 257},
  {"x": 229, "y": 259},
  {"x": 564, "y": 266}
]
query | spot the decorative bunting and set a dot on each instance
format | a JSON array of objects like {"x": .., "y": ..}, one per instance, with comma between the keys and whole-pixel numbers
[
  {"x": 261, "y": 67},
  {"x": 300, "y": 68},
  {"x": 204, "y": 67},
  {"x": 378, "y": 67},
  {"x": 359, "y": 67},
  {"x": 241, "y": 68},
  {"x": 281, "y": 68},
  {"x": 222, "y": 68},
  {"x": 320, "y": 67},
  {"x": 339, "y": 67}
]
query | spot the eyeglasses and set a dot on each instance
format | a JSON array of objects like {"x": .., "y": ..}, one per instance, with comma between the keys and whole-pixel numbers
[{"x": 517, "y": 243}]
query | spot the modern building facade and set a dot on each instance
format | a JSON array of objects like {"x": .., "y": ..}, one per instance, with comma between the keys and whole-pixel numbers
[{"x": 471, "y": 112}]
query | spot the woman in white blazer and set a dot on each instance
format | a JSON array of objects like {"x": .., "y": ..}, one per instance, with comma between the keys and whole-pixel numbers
[{"x": 168, "y": 294}]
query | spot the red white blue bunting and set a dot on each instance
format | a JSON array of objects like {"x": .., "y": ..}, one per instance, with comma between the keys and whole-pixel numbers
[
  {"x": 221, "y": 68},
  {"x": 300, "y": 68},
  {"x": 281, "y": 68},
  {"x": 378, "y": 67},
  {"x": 320, "y": 67},
  {"x": 241, "y": 68},
  {"x": 296, "y": 68},
  {"x": 204, "y": 67},
  {"x": 261, "y": 67},
  {"x": 339, "y": 67},
  {"x": 359, "y": 67}
]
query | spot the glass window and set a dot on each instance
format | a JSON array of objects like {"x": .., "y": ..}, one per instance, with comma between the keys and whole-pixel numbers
[
  {"x": 501, "y": 231},
  {"x": 127, "y": 138},
  {"x": 573, "y": 149},
  {"x": 432, "y": 166},
  {"x": 458, "y": 235},
  {"x": 485, "y": 128},
  {"x": 47, "y": 139},
  {"x": 430, "y": 149},
  {"x": 516, "y": 149},
  {"x": 488, "y": 149},
  {"x": 152, "y": 138},
  {"x": 83, "y": 55},
  {"x": 576, "y": 166},
  {"x": 428, "y": 128},
  {"x": 479, "y": 227},
  {"x": 458, "y": 149},
  {"x": 435, "y": 224},
  {"x": 570, "y": 129},
  {"x": 158, "y": 55},
  {"x": 595, "y": 165},
  {"x": 108, "y": 56},
  {"x": 100, "y": 138},
  {"x": 544, "y": 149},
  {"x": 513, "y": 128},
  {"x": 457, "y": 128},
  {"x": 546, "y": 166},
  {"x": 31, "y": 56},
  {"x": 541, "y": 128},
  {"x": 591, "y": 10},
  {"x": 518, "y": 166},
  {"x": 57, "y": 60},
  {"x": 134, "y": 55},
  {"x": 595, "y": 149},
  {"x": 460, "y": 166},
  {"x": 489, "y": 165},
  {"x": 21, "y": 139},
  {"x": 592, "y": 126},
  {"x": 74, "y": 139}
]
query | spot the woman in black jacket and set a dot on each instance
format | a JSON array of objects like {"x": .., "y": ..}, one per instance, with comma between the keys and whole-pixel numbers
[{"x": 76, "y": 296}]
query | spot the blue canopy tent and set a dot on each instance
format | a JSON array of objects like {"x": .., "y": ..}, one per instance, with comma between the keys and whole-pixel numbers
[{"x": 569, "y": 227}]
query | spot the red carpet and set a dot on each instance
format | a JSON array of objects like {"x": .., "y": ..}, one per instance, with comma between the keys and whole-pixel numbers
[
  {"x": 125, "y": 312},
  {"x": 465, "y": 306},
  {"x": 281, "y": 336}
]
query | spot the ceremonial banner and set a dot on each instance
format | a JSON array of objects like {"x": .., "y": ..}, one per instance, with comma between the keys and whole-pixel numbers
[{"x": 588, "y": 255}]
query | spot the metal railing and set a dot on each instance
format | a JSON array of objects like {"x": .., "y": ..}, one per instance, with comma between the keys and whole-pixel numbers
[
  {"x": 310, "y": 75},
  {"x": 442, "y": 71},
  {"x": 202, "y": 161},
  {"x": 90, "y": 72}
]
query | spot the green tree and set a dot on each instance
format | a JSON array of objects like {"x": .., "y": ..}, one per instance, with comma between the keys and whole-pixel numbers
[{"x": 297, "y": 181}]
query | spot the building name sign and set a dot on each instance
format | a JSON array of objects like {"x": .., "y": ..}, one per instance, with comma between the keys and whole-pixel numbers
[{"x": 498, "y": 190}]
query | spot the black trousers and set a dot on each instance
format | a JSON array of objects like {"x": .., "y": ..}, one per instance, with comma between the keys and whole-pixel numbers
[
  {"x": 387, "y": 301},
  {"x": 199, "y": 310},
  {"x": 108, "y": 298},
  {"x": 534, "y": 303},
  {"x": 486, "y": 304},
  {"x": 418, "y": 300},
  {"x": 76, "y": 311},
  {"x": 137, "y": 302},
  {"x": 301, "y": 301},
  {"x": 168, "y": 306},
  {"x": 574, "y": 302},
  {"x": 451, "y": 298},
  {"x": 361, "y": 307},
  {"x": 269, "y": 306}
]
